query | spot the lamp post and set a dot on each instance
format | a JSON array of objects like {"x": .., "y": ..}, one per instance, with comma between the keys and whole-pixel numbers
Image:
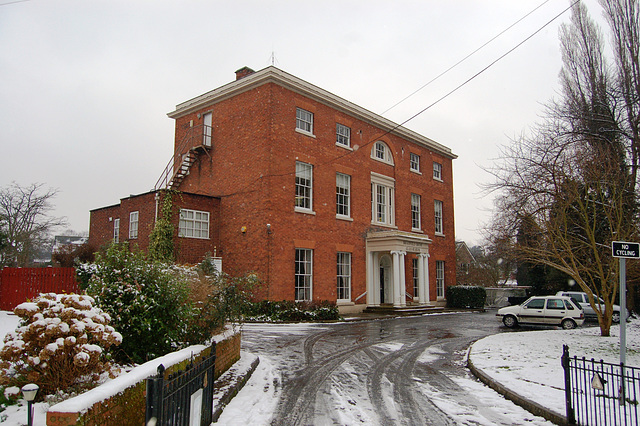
[{"x": 29, "y": 393}]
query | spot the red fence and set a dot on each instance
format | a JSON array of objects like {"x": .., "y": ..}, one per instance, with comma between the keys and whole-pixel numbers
[{"x": 17, "y": 285}]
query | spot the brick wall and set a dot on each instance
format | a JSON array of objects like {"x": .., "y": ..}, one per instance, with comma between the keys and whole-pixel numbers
[
  {"x": 188, "y": 250},
  {"x": 252, "y": 169},
  {"x": 128, "y": 407}
]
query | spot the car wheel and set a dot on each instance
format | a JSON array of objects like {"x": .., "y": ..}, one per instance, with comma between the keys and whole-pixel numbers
[
  {"x": 510, "y": 321},
  {"x": 569, "y": 324},
  {"x": 615, "y": 318}
]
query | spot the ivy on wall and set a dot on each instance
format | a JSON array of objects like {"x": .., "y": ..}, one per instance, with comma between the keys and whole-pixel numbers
[{"x": 161, "y": 241}]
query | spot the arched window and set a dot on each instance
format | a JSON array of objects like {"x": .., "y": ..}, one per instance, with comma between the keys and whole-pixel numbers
[{"x": 381, "y": 152}]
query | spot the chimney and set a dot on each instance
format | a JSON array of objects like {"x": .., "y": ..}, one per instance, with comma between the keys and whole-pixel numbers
[{"x": 243, "y": 72}]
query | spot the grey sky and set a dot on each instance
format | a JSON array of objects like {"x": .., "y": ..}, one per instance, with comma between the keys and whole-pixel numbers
[{"x": 86, "y": 85}]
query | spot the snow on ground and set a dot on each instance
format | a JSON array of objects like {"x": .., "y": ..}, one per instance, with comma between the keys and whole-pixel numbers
[{"x": 527, "y": 362}]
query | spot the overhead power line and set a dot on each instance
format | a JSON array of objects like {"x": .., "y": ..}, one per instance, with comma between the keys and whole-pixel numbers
[{"x": 464, "y": 59}]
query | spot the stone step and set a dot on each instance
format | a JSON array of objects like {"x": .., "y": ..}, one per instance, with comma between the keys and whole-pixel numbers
[{"x": 404, "y": 310}]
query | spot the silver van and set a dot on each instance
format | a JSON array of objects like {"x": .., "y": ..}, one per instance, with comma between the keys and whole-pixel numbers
[{"x": 583, "y": 300}]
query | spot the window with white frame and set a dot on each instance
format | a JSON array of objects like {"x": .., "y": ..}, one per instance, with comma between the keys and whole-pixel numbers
[
  {"x": 381, "y": 152},
  {"x": 415, "y": 212},
  {"x": 303, "y": 274},
  {"x": 382, "y": 199},
  {"x": 116, "y": 230},
  {"x": 343, "y": 135},
  {"x": 416, "y": 286},
  {"x": 304, "y": 120},
  {"x": 440, "y": 279},
  {"x": 304, "y": 186},
  {"x": 437, "y": 171},
  {"x": 343, "y": 198},
  {"x": 194, "y": 224},
  {"x": 414, "y": 162},
  {"x": 344, "y": 276},
  {"x": 133, "y": 225},
  {"x": 437, "y": 207}
]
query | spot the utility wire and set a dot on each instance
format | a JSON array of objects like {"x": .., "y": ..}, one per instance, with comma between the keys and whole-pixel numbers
[
  {"x": 245, "y": 189},
  {"x": 486, "y": 68},
  {"x": 13, "y": 2},
  {"x": 464, "y": 59}
]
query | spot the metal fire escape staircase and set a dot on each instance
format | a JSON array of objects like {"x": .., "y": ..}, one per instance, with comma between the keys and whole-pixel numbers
[{"x": 196, "y": 141}]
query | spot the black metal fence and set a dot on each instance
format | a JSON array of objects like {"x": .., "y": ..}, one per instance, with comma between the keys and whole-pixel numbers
[
  {"x": 183, "y": 397},
  {"x": 600, "y": 393}
]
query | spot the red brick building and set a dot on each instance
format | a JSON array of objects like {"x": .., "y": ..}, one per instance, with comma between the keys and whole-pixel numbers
[{"x": 321, "y": 198}]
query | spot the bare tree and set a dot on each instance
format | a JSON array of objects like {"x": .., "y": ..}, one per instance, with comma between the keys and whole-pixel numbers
[
  {"x": 25, "y": 221},
  {"x": 572, "y": 182}
]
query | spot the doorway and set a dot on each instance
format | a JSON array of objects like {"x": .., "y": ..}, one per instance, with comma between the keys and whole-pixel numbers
[{"x": 385, "y": 275}]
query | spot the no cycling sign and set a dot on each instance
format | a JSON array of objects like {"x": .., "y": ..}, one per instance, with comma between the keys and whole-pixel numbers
[{"x": 625, "y": 250}]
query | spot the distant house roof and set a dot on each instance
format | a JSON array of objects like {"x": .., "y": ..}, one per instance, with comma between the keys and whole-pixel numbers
[
  {"x": 64, "y": 240},
  {"x": 463, "y": 254}
]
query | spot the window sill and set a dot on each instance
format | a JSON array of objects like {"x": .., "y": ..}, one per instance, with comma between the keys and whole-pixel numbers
[
  {"x": 384, "y": 225},
  {"x": 304, "y": 132},
  {"x": 418, "y": 172},
  {"x": 194, "y": 238},
  {"x": 373, "y": 157},
  {"x": 345, "y": 218},
  {"x": 304, "y": 211},
  {"x": 347, "y": 147},
  {"x": 417, "y": 230},
  {"x": 437, "y": 179},
  {"x": 440, "y": 234}
]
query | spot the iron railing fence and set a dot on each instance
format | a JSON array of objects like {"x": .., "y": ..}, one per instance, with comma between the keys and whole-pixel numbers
[
  {"x": 600, "y": 393},
  {"x": 183, "y": 397}
]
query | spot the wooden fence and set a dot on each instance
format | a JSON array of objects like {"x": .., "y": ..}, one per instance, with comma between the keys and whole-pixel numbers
[{"x": 18, "y": 285}]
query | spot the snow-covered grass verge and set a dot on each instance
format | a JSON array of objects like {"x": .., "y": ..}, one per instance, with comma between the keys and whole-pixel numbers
[{"x": 529, "y": 362}]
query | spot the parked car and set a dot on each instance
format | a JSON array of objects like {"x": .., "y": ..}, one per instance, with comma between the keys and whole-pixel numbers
[
  {"x": 589, "y": 313},
  {"x": 544, "y": 310}
]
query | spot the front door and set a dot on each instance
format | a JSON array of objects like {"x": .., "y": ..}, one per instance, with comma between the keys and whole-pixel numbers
[{"x": 385, "y": 273}]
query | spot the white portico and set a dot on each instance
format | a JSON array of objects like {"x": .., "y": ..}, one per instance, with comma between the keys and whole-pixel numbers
[{"x": 386, "y": 260}]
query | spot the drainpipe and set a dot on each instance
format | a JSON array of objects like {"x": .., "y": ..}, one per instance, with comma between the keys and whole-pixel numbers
[{"x": 157, "y": 198}]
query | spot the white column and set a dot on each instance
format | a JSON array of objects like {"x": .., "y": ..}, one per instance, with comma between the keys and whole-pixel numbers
[
  {"x": 403, "y": 279},
  {"x": 426, "y": 278},
  {"x": 396, "y": 277},
  {"x": 369, "y": 278},
  {"x": 422, "y": 296},
  {"x": 398, "y": 285},
  {"x": 374, "y": 283}
]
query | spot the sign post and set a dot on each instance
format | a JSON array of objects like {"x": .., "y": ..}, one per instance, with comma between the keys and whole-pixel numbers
[{"x": 623, "y": 251}]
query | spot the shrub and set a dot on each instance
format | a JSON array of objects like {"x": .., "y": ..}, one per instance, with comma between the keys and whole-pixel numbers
[
  {"x": 466, "y": 297},
  {"x": 148, "y": 301},
  {"x": 217, "y": 299},
  {"x": 289, "y": 311},
  {"x": 61, "y": 342}
]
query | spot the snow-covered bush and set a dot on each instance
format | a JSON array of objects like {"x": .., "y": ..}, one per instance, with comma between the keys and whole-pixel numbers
[
  {"x": 62, "y": 341},
  {"x": 148, "y": 301}
]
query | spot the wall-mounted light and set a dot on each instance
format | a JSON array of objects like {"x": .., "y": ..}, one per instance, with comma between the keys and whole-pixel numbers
[
  {"x": 243, "y": 229},
  {"x": 268, "y": 228}
]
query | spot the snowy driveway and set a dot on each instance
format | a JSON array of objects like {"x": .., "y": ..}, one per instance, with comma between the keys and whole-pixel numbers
[{"x": 393, "y": 371}]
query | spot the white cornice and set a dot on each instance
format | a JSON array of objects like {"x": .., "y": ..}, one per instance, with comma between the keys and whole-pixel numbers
[{"x": 275, "y": 75}]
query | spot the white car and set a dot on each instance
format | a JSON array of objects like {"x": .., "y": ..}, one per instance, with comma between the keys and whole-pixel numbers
[
  {"x": 544, "y": 310},
  {"x": 589, "y": 313}
]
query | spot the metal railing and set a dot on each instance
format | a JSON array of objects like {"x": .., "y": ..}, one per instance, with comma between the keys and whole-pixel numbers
[
  {"x": 196, "y": 136},
  {"x": 600, "y": 393},
  {"x": 182, "y": 398}
]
